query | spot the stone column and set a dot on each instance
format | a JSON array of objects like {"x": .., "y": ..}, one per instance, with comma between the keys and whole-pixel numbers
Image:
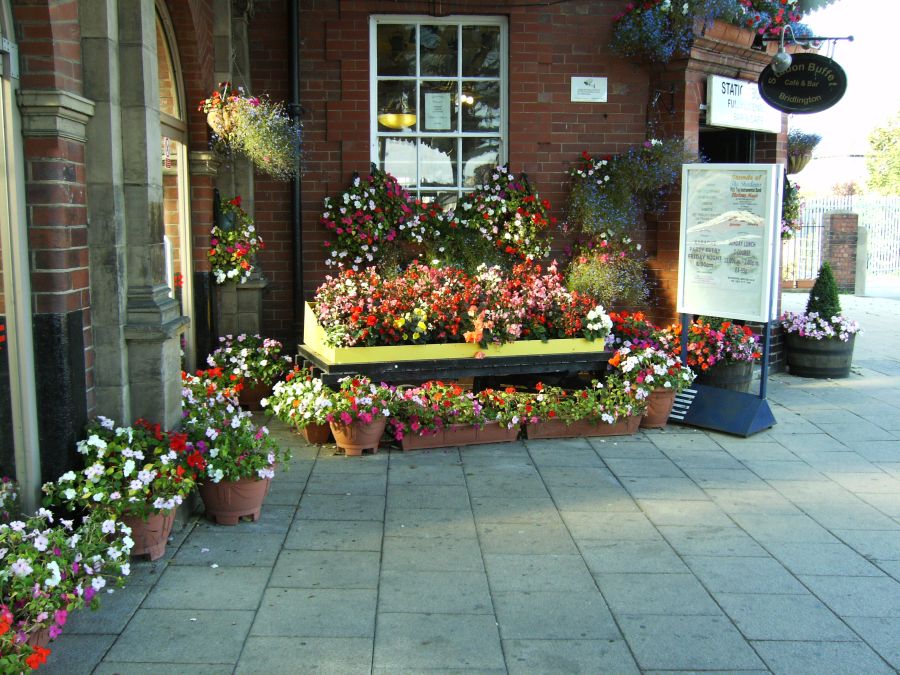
[{"x": 153, "y": 319}]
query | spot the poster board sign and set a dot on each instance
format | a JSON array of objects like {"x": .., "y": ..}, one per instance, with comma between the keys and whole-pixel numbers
[{"x": 730, "y": 239}]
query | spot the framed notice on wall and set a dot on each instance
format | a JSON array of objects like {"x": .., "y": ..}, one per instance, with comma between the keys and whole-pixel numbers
[{"x": 730, "y": 240}]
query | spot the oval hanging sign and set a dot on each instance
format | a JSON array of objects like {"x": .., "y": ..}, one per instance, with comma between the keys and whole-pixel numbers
[{"x": 812, "y": 84}]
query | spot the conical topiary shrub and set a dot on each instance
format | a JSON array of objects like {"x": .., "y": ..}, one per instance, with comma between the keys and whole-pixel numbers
[{"x": 824, "y": 298}]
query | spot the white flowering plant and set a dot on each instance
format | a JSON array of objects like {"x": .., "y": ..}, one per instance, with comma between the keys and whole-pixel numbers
[
  {"x": 249, "y": 358},
  {"x": 597, "y": 324},
  {"x": 300, "y": 399},
  {"x": 233, "y": 242},
  {"x": 815, "y": 327},
  {"x": 224, "y": 443},
  {"x": 358, "y": 399},
  {"x": 646, "y": 369},
  {"x": 128, "y": 471},
  {"x": 51, "y": 567}
]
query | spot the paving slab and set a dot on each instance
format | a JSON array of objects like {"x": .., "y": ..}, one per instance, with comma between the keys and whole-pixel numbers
[
  {"x": 329, "y": 483},
  {"x": 610, "y": 556},
  {"x": 438, "y": 641},
  {"x": 525, "y": 483},
  {"x": 120, "y": 668},
  {"x": 881, "y": 635},
  {"x": 536, "y": 538},
  {"x": 426, "y": 473},
  {"x": 515, "y": 510},
  {"x": 739, "y": 574},
  {"x": 784, "y": 617},
  {"x": 593, "y": 500},
  {"x": 711, "y": 540},
  {"x": 196, "y": 587},
  {"x": 526, "y": 657},
  {"x": 619, "y": 526},
  {"x": 655, "y": 594},
  {"x": 685, "y": 513},
  {"x": 185, "y": 636},
  {"x": 662, "y": 488},
  {"x": 305, "y": 612},
  {"x": 431, "y": 554},
  {"x": 267, "y": 655},
  {"x": 814, "y": 658},
  {"x": 568, "y": 452},
  {"x": 766, "y": 528},
  {"x": 443, "y": 592},
  {"x": 875, "y": 545},
  {"x": 648, "y": 468},
  {"x": 274, "y": 520},
  {"x": 577, "y": 477},
  {"x": 688, "y": 643},
  {"x": 325, "y": 569},
  {"x": 72, "y": 654},
  {"x": 228, "y": 549},
  {"x": 857, "y": 596},
  {"x": 428, "y": 497},
  {"x": 822, "y": 559},
  {"x": 335, "y": 535},
  {"x": 112, "y": 616},
  {"x": 341, "y": 507},
  {"x": 430, "y": 523},
  {"x": 547, "y": 615},
  {"x": 537, "y": 573}
]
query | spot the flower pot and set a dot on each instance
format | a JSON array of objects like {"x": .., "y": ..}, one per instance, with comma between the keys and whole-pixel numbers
[
  {"x": 659, "y": 405},
  {"x": 228, "y": 501},
  {"x": 358, "y": 436},
  {"x": 494, "y": 432},
  {"x": 796, "y": 163},
  {"x": 39, "y": 638},
  {"x": 582, "y": 428},
  {"x": 736, "y": 376},
  {"x": 150, "y": 536},
  {"x": 722, "y": 31},
  {"x": 317, "y": 434},
  {"x": 219, "y": 120},
  {"x": 250, "y": 396},
  {"x": 807, "y": 357}
]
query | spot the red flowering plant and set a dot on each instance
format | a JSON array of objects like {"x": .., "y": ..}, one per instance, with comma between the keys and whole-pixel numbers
[
  {"x": 52, "y": 568},
  {"x": 371, "y": 215},
  {"x": 223, "y": 441},
  {"x": 426, "y": 409},
  {"x": 249, "y": 358},
  {"x": 506, "y": 212},
  {"x": 505, "y": 406},
  {"x": 233, "y": 243},
  {"x": 635, "y": 330},
  {"x": 603, "y": 402},
  {"x": 129, "y": 471},
  {"x": 2, "y": 336},
  {"x": 712, "y": 340},
  {"x": 358, "y": 399}
]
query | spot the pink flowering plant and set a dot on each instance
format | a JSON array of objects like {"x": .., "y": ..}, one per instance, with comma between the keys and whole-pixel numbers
[
  {"x": 300, "y": 399},
  {"x": 128, "y": 471},
  {"x": 224, "y": 443},
  {"x": 647, "y": 369},
  {"x": 52, "y": 567},
  {"x": 358, "y": 399},
  {"x": 426, "y": 409},
  {"x": 374, "y": 213},
  {"x": 233, "y": 243},
  {"x": 249, "y": 359},
  {"x": 823, "y": 319}
]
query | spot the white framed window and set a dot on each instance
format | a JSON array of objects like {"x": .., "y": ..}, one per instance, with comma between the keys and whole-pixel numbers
[{"x": 439, "y": 101}]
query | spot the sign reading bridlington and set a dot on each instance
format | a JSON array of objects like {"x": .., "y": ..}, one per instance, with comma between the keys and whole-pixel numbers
[
  {"x": 728, "y": 257},
  {"x": 813, "y": 83}
]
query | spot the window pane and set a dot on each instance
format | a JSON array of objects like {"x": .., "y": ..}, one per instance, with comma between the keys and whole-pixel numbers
[
  {"x": 397, "y": 156},
  {"x": 439, "y": 106},
  {"x": 396, "y": 50},
  {"x": 439, "y": 50},
  {"x": 438, "y": 161},
  {"x": 481, "y": 51},
  {"x": 481, "y": 106},
  {"x": 479, "y": 156},
  {"x": 396, "y": 105},
  {"x": 446, "y": 200}
]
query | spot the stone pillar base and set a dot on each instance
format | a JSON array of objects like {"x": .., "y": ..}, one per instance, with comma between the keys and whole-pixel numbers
[{"x": 239, "y": 307}]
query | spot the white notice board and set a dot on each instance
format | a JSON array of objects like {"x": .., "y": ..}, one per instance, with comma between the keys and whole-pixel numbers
[{"x": 730, "y": 240}]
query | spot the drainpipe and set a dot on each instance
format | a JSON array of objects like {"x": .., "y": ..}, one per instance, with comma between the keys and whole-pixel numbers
[{"x": 296, "y": 184}]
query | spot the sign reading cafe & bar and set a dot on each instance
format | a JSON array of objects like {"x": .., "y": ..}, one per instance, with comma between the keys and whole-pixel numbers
[
  {"x": 813, "y": 83},
  {"x": 728, "y": 255}
]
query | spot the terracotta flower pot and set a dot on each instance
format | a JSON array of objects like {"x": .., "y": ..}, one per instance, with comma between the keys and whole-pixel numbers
[
  {"x": 228, "y": 501},
  {"x": 150, "y": 536},
  {"x": 659, "y": 405},
  {"x": 250, "y": 396},
  {"x": 39, "y": 638},
  {"x": 358, "y": 436},
  {"x": 317, "y": 434},
  {"x": 582, "y": 428}
]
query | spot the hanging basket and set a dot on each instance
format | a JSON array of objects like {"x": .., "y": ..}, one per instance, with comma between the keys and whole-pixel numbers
[
  {"x": 220, "y": 121},
  {"x": 796, "y": 163}
]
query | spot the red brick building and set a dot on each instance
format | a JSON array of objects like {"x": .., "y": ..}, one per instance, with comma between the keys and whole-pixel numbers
[{"x": 109, "y": 180}]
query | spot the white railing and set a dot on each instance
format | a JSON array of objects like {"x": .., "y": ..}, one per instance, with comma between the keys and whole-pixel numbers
[{"x": 802, "y": 255}]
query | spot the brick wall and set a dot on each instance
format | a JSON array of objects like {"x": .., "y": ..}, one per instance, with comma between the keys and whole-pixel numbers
[{"x": 841, "y": 234}]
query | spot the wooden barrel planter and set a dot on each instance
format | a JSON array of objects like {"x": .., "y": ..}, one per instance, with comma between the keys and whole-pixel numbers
[
  {"x": 807, "y": 357},
  {"x": 735, "y": 376}
]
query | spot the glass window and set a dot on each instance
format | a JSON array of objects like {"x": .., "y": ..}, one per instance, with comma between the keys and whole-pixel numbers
[{"x": 439, "y": 101}]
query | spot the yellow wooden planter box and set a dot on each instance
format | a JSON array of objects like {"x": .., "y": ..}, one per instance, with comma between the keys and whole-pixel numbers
[{"x": 314, "y": 341}]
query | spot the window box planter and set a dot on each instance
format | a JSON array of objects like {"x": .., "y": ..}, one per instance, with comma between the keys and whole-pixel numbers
[
  {"x": 582, "y": 428},
  {"x": 460, "y": 434}
]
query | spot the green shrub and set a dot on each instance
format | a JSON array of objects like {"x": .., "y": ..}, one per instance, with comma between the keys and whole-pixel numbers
[
  {"x": 824, "y": 298},
  {"x": 611, "y": 279}
]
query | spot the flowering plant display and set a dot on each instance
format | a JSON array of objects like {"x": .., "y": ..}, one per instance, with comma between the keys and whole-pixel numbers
[
  {"x": 502, "y": 405},
  {"x": 233, "y": 243},
  {"x": 8, "y": 496},
  {"x": 658, "y": 30},
  {"x": 822, "y": 319},
  {"x": 358, "y": 399},
  {"x": 711, "y": 341},
  {"x": 372, "y": 213},
  {"x": 791, "y": 207},
  {"x": 255, "y": 127},
  {"x": 129, "y": 471},
  {"x": 442, "y": 304},
  {"x": 647, "y": 369},
  {"x": 507, "y": 213},
  {"x": 634, "y": 330},
  {"x": 801, "y": 143},
  {"x": 609, "y": 277},
  {"x": 603, "y": 402},
  {"x": 224, "y": 443},
  {"x": 51, "y": 569},
  {"x": 300, "y": 399},
  {"x": 249, "y": 358},
  {"x": 426, "y": 409},
  {"x": 2, "y": 335}
]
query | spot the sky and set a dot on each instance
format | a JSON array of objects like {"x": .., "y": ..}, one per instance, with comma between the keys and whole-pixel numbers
[{"x": 872, "y": 97}]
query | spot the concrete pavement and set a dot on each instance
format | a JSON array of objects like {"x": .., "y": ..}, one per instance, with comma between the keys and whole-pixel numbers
[{"x": 672, "y": 550}]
